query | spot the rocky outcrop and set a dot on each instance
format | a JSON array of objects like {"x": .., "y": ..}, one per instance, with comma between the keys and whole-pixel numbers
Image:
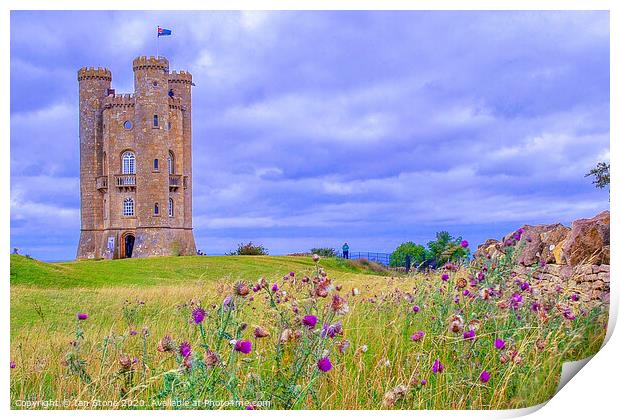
[
  {"x": 585, "y": 242},
  {"x": 588, "y": 241},
  {"x": 575, "y": 258}
]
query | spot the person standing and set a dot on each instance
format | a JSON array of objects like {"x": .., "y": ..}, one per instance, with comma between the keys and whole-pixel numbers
[{"x": 345, "y": 251}]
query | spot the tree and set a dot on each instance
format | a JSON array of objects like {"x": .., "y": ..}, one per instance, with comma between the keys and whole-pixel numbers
[
  {"x": 446, "y": 248},
  {"x": 416, "y": 252},
  {"x": 601, "y": 175},
  {"x": 249, "y": 249}
]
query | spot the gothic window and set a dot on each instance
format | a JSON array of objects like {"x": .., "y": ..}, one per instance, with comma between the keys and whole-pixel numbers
[
  {"x": 170, "y": 207},
  {"x": 155, "y": 121},
  {"x": 170, "y": 163},
  {"x": 128, "y": 163},
  {"x": 128, "y": 207},
  {"x": 128, "y": 125},
  {"x": 156, "y": 165},
  {"x": 156, "y": 209}
]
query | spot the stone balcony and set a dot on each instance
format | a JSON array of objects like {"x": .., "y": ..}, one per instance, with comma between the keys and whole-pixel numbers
[
  {"x": 102, "y": 183},
  {"x": 125, "y": 182},
  {"x": 176, "y": 181}
]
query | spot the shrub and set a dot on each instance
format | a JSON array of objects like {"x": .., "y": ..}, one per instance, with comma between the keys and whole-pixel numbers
[
  {"x": 446, "y": 248},
  {"x": 417, "y": 253},
  {"x": 324, "y": 252},
  {"x": 250, "y": 249}
]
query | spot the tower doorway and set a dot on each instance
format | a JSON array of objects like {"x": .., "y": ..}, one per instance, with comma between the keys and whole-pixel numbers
[{"x": 127, "y": 242}]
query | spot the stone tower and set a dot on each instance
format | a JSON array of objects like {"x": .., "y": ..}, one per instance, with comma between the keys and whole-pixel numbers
[{"x": 136, "y": 163}]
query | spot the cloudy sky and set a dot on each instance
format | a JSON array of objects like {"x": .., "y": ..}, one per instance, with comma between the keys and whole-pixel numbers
[{"x": 312, "y": 128}]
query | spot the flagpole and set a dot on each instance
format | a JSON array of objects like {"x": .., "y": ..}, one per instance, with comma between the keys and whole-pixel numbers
[{"x": 157, "y": 48}]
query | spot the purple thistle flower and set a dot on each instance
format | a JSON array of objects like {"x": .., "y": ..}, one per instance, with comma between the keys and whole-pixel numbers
[
  {"x": 310, "y": 321},
  {"x": 274, "y": 288},
  {"x": 12, "y": 364},
  {"x": 228, "y": 303},
  {"x": 416, "y": 309},
  {"x": 244, "y": 347},
  {"x": 437, "y": 366},
  {"x": 525, "y": 286},
  {"x": 464, "y": 244},
  {"x": 185, "y": 349},
  {"x": 445, "y": 276},
  {"x": 499, "y": 344},
  {"x": 469, "y": 335},
  {"x": 198, "y": 314},
  {"x": 82, "y": 316},
  {"x": 485, "y": 376},
  {"x": 423, "y": 382},
  {"x": 574, "y": 297},
  {"x": 291, "y": 274},
  {"x": 331, "y": 331},
  {"x": 516, "y": 299},
  {"x": 417, "y": 336},
  {"x": 535, "y": 306},
  {"x": 324, "y": 364},
  {"x": 466, "y": 292}
]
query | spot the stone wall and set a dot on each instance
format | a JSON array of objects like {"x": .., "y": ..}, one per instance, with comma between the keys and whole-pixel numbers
[{"x": 575, "y": 258}]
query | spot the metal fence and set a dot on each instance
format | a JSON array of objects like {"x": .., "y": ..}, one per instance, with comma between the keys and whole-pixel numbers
[{"x": 378, "y": 257}]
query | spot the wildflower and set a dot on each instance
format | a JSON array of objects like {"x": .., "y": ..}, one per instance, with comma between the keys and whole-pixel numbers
[
  {"x": 464, "y": 244},
  {"x": 574, "y": 297},
  {"x": 343, "y": 345},
  {"x": 315, "y": 258},
  {"x": 355, "y": 291},
  {"x": 12, "y": 365},
  {"x": 339, "y": 305},
  {"x": 260, "y": 332},
  {"x": 535, "y": 306},
  {"x": 469, "y": 335},
  {"x": 228, "y": 303},
  {"x": 466, "y": 292},
  {"x": 125, "y": 362},
  {"x": 133, "y": 332},
  {"x": 165, "y": 344},
  {"x": 416, "y": 309},
  {"x": 445, "y": 276},
  {"x": 274, "y": 288},
  {"x": 198, "y": 314},
  {"x": 437, "y": 366},
  {"x": 309, "y": 321},
  {"x": 423, "y": 382},
  {"x": 456, "y": 325},
  {"x": 390, "y": 397},
  {"x": 145, "y": 331},
  {"x": 499, "y": 344},
  {"x": 242, "y": 289},
  {"x": 185, "y": 349},
  {"x": 417, "y": 336},
  {"x": 363, "y": 349},
  {"x": 82, "y": 316},
  {"x": 516, "y": 299},
  {"x": 485, "y": 376},
  {"x": 461, "y": 283},
  {"x": 331, "y": 330},
  {"x": 291, "y": 274},
  {"x": 187, "y": 362},
  {"x": 244, "y": 347},
  {"x": 324, "y": 364},
  {"x": 211, "y": 358},
  {"x": 525, "y": 286}
]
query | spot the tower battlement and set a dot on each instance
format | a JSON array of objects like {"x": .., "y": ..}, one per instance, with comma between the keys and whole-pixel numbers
[
  {"x": 119, "y": 100},
  {"x": 180, "y": 77},
  {"x": 94, "y": 73},
  {"x": 156, "y": 63}
]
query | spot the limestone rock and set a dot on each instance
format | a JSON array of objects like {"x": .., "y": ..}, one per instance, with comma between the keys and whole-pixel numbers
[{"x": 588, "y": 241}]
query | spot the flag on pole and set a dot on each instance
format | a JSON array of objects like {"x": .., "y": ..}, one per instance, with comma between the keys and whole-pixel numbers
[{"x": 163, "y": 32}]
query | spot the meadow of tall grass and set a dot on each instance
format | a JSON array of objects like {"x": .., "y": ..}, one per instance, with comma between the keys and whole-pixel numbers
[{"x": 463, "y": 337}]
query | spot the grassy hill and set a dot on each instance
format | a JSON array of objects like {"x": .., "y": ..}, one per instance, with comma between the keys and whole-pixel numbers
[{"x": 162, "y": 271}]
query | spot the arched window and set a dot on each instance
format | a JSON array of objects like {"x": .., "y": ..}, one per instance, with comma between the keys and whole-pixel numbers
[
  {"x": 156, "y": 165},
  {"x": 156, "y": 209},
  {"x": 128, "y": 207},
  {"x": 104, "y": 164},
  {"x": 155, "y": 121},
  {"x": 170, "y": 207},
  {"x": 129, "y": 163},
  {"x": 170, "y": 163}
]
